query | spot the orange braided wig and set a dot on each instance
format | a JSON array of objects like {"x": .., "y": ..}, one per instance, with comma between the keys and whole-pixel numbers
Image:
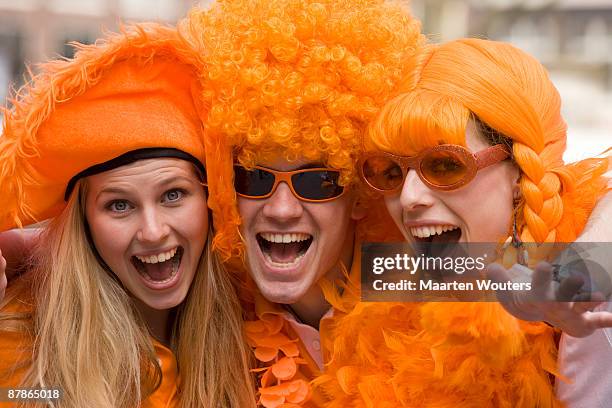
[{"x": 510, "y": 91}]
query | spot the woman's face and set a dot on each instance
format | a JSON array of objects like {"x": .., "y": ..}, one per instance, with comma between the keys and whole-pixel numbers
[
  {"x": 149, "y": 223},
  {"x": 480, "y": 211}
]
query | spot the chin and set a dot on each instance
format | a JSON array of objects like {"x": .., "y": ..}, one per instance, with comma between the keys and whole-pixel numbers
[
  {"x": 165, "y": 304},
  {"x": 282, "y": 293}
]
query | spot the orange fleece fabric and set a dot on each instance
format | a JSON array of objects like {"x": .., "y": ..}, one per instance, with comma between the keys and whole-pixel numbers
[{"x": 87, "y": 112}]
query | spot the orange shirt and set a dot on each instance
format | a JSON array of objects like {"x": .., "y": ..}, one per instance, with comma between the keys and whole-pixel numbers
[{"x": 16, "y": 354}]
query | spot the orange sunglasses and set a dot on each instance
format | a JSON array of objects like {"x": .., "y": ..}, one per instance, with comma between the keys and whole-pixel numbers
[
  {"x": 444, "y": 167},
  {"x": 310, "y": 185}
]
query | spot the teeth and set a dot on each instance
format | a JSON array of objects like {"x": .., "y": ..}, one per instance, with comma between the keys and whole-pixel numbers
[
  {"x": 284, "y": 264},
  {"x": 430, "y": 230},
  {"x": 152, "y": 259},
  {"x": 284, "y": 238},
  {"x": 175, "y": 263}
]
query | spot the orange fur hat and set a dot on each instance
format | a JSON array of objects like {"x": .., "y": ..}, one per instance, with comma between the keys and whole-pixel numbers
[{"x": 129, "y": 92}]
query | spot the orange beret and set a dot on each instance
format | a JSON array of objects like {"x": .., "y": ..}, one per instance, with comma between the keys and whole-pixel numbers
[{"x": 133, "y": 91}]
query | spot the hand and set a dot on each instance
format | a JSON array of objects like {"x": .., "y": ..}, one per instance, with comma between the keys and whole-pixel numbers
[
  {"x": 562, "y": 305},
  {"x": 2, "y": 276},
  {"x": 17, "y": 245}
]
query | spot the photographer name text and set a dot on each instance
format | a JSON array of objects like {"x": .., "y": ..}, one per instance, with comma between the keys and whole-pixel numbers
[{"x": 432, "y": 285}]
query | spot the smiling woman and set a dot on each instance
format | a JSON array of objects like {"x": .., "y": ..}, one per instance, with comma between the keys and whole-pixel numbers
[
  {"x": 157, "y": 231},
  {"x": 421, "y": 208},
  {"x": 475, "y": 95},
  {"x": 123, "y": 304},
  {"x": 439, "y": 152}
]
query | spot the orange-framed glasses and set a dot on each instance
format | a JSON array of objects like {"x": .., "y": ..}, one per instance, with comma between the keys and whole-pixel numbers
[
  {"x": 444, "y": 167},
  {"x": 310, "y": 185}
]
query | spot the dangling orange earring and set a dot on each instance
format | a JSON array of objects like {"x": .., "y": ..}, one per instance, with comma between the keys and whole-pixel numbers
[{"x": 522, "y": 256}]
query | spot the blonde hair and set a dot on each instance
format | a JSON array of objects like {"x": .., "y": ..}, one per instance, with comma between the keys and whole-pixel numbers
[
  {"x": 293, "y": 79},
  {"x": 91, "y": 341},
  {"x": 510, "y": 92}
]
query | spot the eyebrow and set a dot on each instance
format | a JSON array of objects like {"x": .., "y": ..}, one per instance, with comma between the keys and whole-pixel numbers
[
  {"x": 112, "y": 190},
  {"x": 314, "y": 165},
  {"x": 174, "y": 179},
  {"x": 164, "y": 182}
]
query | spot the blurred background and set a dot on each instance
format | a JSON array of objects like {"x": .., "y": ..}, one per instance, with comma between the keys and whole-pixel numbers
[{"x": 573, "y": 38}]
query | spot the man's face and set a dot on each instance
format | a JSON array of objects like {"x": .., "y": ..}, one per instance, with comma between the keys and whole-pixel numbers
[{"x": 291, "y": 243}]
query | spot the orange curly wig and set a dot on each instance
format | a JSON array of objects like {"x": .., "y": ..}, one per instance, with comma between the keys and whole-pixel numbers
[{"x": 296, "y": 79}]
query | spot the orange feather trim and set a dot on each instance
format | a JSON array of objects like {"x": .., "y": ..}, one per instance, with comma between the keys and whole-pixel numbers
[
  {"x": 430, "y": 354},
  {"x": 583, "y": 185},
  {"x": 437, "y": 355}
]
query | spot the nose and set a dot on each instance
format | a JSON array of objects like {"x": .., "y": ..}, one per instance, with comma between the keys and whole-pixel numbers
[
  {"x": 415, "y": 194},
  {"x": 283, "y": 206},
  {"x": 153, "y": 228}
]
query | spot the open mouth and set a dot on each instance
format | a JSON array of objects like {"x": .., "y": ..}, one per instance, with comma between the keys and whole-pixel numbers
[
  {"x": 434, "y": 234},
  {"x": 283, "y": 250},
  {"x": 160, "y": 268},
  {"x": 436, "y": 240}
]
